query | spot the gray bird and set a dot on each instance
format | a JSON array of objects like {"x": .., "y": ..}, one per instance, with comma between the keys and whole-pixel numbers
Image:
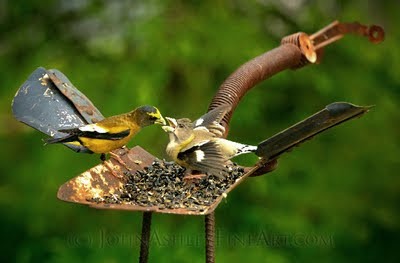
[{"x": 198, "y": 145}]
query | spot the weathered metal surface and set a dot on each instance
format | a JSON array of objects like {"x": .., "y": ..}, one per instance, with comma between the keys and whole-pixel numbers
[
  {"x": 337, "y": 30},
  {"x": 295, "y": 51},
  {"x": 251, "y": 73},
  {"x": 333, "y": 114},
  {"x": 304, "y": 43},
  {"x": 145, "y": 238},
  {"x": 82, "y": 104},
  {"x": 39, "y": 104},
  {"x": 99, "y": 181}
]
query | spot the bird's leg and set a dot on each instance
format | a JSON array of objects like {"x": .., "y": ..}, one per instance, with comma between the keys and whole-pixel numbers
[
  {"x": 125, "y": 148},
  {"x": 103, "y": 159},
  {"x": 118, "y": 159}
]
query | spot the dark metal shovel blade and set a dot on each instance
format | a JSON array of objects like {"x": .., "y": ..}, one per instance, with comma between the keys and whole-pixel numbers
[
  {"x": 333, "y": 114},
  {"x": 82, "y": 104},
  {"x": 40, "y": 104}
]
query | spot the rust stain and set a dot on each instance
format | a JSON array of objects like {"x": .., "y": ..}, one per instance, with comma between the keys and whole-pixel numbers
[
  {"x": 337, "y": 30},
  {"x": 84, "y": 106},
  {"x": 98, "y": 182}
]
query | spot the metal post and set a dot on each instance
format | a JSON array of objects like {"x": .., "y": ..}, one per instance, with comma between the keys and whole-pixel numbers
[
  {"x": 145, "y": 238},
  {"x": 210, "y": 237}
]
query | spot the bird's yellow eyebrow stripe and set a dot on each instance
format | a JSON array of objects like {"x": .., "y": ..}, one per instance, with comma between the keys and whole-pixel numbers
[{"x": 156, "y": 114}]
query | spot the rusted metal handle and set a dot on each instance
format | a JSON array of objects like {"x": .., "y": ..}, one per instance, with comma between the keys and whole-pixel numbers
[
  {"x": 295, "y": 51},
  {"x": 249, "y": 74},
  {"x": 337, "y": 30}
]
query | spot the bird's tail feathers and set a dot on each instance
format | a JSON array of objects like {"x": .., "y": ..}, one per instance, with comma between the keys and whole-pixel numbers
[
  {"x": 234, "y": 149},
  {"x": 59, "y": 140},
  {"x": 243, "y": 149}
]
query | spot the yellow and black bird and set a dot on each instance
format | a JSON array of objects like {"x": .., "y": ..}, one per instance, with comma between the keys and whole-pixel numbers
[
  {"x": 111, "y": 133},
  {"x": 198, "y": 145}
]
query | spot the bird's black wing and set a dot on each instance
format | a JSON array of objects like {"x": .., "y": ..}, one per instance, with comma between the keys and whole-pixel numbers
[
  {"x": 212, "y": 119},
  {"x": 74, "y": 134},
  {"x": 206, "y": 158},
  {"x": 97, "y": 135}
]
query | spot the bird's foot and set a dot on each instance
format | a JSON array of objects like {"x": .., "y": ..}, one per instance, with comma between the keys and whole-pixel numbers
[
  {"x": 118, "y": 158},
  {"x": 112, "y": 171},
  {"x": 124, "y": 149}
]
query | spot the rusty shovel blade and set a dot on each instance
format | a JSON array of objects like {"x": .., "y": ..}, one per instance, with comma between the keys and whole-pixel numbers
[
  {"x": 333, "y": 114},
  {"x": 98, "y": 182}
]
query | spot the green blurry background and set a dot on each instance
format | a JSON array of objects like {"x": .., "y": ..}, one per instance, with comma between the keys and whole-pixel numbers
[{"x": 331, "y": 200}]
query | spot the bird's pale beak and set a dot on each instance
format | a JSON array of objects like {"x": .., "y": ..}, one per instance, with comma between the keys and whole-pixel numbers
[
  {"x": 161, "y": 121},
  {"x": 172, "y": 122},
  {"x": 172, "y": 125},
  {"x": 168, "y": 129}
]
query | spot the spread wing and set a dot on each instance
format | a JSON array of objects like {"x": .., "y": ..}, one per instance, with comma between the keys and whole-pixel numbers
[
  {"x": 212, "y": 119},
  {"x": 205, "y": 157}
]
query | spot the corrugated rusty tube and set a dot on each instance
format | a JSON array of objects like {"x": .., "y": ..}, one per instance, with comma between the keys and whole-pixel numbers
[
  {"x": 288, "y": 55},
  {"x": 252, "y": 72},
  {"x": 210, "y": 237}
]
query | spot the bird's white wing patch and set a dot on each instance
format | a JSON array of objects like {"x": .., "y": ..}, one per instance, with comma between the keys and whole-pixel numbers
[
  {"x": 93, "y": 128},
  {"x": 232, "y": 149},
  {"x": 199, "y": 155},
  {"x": 199, "y": 122}
]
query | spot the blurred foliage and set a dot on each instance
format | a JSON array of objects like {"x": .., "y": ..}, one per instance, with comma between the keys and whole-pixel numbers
[{"x": 335, "y": 199}]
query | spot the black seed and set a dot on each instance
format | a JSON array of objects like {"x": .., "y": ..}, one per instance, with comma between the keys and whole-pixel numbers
[{"x": 161, "y": 184}]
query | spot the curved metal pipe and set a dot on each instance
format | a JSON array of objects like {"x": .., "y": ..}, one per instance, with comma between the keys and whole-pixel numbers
[{"x": 251, "y": 73}]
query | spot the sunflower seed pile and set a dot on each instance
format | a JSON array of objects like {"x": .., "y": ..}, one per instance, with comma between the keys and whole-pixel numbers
[{"x": 161, "y": 184}]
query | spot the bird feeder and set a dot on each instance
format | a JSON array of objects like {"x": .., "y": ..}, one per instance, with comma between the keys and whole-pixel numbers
[{"x": 48, "y": 101}]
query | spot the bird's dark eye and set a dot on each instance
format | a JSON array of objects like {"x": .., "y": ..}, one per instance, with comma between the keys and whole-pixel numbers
[
  {"x": 180, "y": 126},
  {"x": 152, "y": 118}
]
